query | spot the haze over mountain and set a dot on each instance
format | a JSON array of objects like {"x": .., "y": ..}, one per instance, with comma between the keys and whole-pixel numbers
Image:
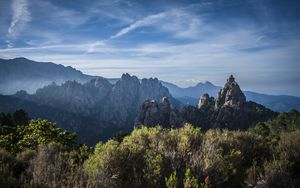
[
  {"x": 150, "y": 93},
  {"x": 190, "y": 95},
  {"x": 95, "y": 109},
  {"x": 23, "y": 74},
  {"x": 256, "y": 40}
]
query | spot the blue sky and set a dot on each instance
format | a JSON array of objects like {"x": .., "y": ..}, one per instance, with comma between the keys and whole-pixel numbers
[{"x": 182, "y": 41}]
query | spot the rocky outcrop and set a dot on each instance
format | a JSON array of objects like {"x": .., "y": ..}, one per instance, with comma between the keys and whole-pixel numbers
[
  {"x": 206, "y": 102},
  {"x": 230, "y": 110},
  {"x": 110, "y": 107},
  {"x": 151, "y": 114},
  {"x": 230, "y": 95},
  {"x": 152, "y": 89},
  {"x": 124, "y": 97}
]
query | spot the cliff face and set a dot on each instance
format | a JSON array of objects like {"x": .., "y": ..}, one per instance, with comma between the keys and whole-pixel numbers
[
  {"x": 229, "y": 110},
  {"x": 104, "y": 104},
  {"x": 152, "y": 113},
  {"x": 129, "y": 93},
  {"x": 206, "y": 102}
]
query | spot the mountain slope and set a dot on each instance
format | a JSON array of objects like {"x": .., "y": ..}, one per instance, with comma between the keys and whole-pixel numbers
[
  {"x": 280, "y": 103},
  {"x": 24, "y": 74},
  {"x": 66, "y": 120},
  {"x": 95, "y": 109}
]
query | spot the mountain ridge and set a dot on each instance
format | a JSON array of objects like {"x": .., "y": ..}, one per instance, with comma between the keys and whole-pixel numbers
[
  {"x": 190, "y": 95},
  {"x": 229, "y": 110},
  {"x": 95, "y": 107},
  {"x": 24, "y": 74},
  {"x": 12, "y": 80}
]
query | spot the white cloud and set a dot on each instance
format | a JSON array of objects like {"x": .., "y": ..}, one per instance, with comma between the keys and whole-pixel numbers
[
  {"x": 177, "y": 21},
  {"x": 93, "y": 46},
  {"x": 146, "y": 21},
  {"x": 21, "y": 16}
]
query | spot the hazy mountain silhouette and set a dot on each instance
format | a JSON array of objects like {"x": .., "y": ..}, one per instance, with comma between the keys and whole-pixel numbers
[
  {"x": 24, "y": 74},
  {"x": 95, "y": 109}
]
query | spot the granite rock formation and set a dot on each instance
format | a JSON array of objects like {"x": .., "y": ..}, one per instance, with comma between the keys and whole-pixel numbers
[
  {"x": 206, "y": 102},
  {"x": 108, "y": 107},
  {"x": 151, "y": 114},
  {"x": 229, "y": 110},
  {"x": 231, "y": 94}
]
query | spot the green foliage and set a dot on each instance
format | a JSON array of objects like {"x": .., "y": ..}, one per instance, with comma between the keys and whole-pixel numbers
[
  {"x": 41, "y": 132},
  {"x": 38, "y": 132},
  {"x": 189, "y": 180},
  {"x": 284, "y": 122},
  {"x": 172, "y": 181},
  {"x": 19, "y": 117},
  {"x": 42, "y": 155}
]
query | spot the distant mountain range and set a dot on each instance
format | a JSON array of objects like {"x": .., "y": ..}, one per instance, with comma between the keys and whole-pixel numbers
[
  {"x": 191, "y": 95},
  {"x": 23, "y": 74},
  {"x": 96, "y": 107}
]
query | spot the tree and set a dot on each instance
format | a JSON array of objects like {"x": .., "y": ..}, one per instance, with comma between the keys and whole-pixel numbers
[
  {"x": 20, "y": 117},
  {"x": 41, "y": 132}
]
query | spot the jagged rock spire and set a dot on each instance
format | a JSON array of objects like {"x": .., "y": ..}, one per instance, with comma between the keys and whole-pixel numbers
[
  {"x": 152, "y": 113},
  {"x": 205, "y": 102},
  {"x": 230, "y": 79},
  {"x": 230, "y": 95}
]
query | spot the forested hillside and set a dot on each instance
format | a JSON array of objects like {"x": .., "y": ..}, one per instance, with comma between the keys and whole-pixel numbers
[{"x": 37, "y": 154}]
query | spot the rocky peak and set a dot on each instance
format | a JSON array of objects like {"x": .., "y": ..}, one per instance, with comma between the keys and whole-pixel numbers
[
  {"x": 99, "y": 88},
  {"x": 125, "y": 95},
  {"x": 165, "y": 102},
  {"x": 151, "y": 114},
  {"x": 100, "y": 82},
  {"x": 230, "y": 79},
  {"x": 152, "y": 88},
  {"x": 165, "y": 109},
  {"x": 230, "y": 95},
  {"x": 127, "y": 78},
  {"x": 205, "y": 102},
  {"x": 127, "y": 85},
  {"x": 21, "y": 94}
]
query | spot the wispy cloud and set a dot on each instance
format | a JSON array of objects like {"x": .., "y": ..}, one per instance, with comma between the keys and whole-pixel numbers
[
  {"x": 21, "y": 16},
  {"x": 177, "y": 21},
  {"x": 146, "y": 21},
  {"x": 173, "y": 40}
]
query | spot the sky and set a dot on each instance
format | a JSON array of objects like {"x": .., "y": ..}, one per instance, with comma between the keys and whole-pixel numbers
[{"x": 180, "y": 41}]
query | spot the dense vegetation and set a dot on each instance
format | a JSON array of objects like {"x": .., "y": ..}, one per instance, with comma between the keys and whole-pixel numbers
[{"x": 38, "y": 154}]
